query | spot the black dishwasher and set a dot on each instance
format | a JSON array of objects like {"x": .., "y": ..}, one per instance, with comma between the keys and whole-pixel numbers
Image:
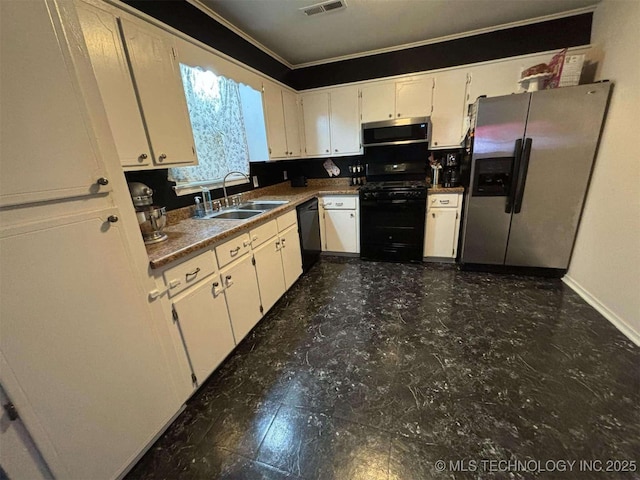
[{"x": 309, "y": 230}]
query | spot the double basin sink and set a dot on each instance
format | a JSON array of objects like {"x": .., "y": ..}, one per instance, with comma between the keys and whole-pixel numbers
[{"x": 246, "y": 210}]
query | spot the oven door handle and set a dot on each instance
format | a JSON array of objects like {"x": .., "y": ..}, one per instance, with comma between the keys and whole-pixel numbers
[{"x": 373, "y": 203}]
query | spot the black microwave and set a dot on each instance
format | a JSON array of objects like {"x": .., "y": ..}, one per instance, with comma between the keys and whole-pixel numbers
[{"x": 403, "y": 131}]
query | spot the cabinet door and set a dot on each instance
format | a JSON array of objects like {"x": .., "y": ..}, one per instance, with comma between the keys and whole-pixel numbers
[
  {"x": 159, "y": 85},
  {"x": 243, "y": 296},
  {"x": 345, "y": 123},
  {"x": 106, "y": 51},
  {"x": 48, "y": 147},
  {"x": 205, "y": 327},
  {"x": 80, "y": 355},
  {"x": 340, "y": 229},
  {"x": 315, "y": 108},
  {"x": 441, "y": 232},
  {"x": 449, "y": 109},
  {"x": 414, "y": 99},
  {"x": 269, "y": 272},
  {"x": 378, "y": 102},
  {"x": 291, "y": 123},
  {"x": 275, "y": 121},
  {"x": 291, "y": 255}
]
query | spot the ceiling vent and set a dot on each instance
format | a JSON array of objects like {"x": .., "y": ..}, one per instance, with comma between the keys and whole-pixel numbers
[{"x": 324, "y": 7}]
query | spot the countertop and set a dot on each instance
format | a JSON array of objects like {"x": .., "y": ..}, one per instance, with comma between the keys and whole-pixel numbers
[{"x": 187, "y": 234}]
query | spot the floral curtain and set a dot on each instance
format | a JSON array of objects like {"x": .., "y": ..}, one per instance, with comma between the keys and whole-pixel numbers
[{"x": 215, "y": 111}]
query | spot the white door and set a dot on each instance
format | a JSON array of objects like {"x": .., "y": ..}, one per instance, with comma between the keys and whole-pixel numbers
[
  {"x": 345, "y": 121},
  {"x": 291, "y": 255},
  {"x": 45, "y": 125},
  {"x": 269, "y": 272},
  {"x": 291, "y": 122},
  {"x": 102, "y": 36},
  {"x": 243, "y": 296},
  {"x": 413, "y": 99},
  {"x": 340, "y": 228},
  {"x": 378, "y": 102},
  {"x": 315, "y": 109},
  {"x": 80, "y": 355},
  {"x": 449, "y": 109},
  {"x": 205, "y": 327},
  {"x": 441, "y": 233},
  {"x": 159, "y": 85},
  {"x": 275, "y": 121}
]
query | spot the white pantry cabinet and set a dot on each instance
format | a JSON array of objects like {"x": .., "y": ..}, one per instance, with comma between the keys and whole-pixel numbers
[
  {"x": 339, "y": 223},
  {"x": 449, "y": 109},
  {"x": 331, "y": 122},
  {"x": 442, "y": 225},
  {"x": 282, "y": 119},
  {"x": 402, "y": 99},
  {"x": 156, "y": 75}
]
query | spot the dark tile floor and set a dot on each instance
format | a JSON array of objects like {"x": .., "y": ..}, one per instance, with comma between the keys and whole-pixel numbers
[{"x": 378, "y": 370}]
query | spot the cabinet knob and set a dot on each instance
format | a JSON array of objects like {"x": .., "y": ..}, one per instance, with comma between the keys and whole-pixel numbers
[
  {"x": 102, "y": 181},
  {"x": 143, "y": 157},
  {"x": 352, "y": 215},
  {"x": 390, "y": 116},
  {"x": 433, "y": 215},
  {"x": 336, "y": 150},
  {"x": 162, "y": 157},
  {"x": 435, "y": 143},
  {"x": 327, "y": 151},
  {"x": 112, "y": 218},
  {"x": 398, "y": 114}
]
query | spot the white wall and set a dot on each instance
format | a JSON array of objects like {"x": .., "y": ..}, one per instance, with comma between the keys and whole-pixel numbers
[{"x": 605, "y": 267}]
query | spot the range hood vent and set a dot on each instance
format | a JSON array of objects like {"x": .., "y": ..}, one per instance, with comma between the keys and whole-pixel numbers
[{"x": 324, "y": 7}]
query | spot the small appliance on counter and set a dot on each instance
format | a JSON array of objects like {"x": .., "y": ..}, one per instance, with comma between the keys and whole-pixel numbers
[
  {"x": 151, "y": 218},
  {"x": 451, "y": 172}
]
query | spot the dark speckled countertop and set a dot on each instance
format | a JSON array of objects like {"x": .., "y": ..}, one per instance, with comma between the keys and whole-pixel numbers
[{"x": 187, "y": 234}]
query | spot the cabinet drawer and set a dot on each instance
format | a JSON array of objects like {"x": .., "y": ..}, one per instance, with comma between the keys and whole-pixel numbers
[
  {"x": 339, "y": 202},
  {"x": 232, "y": 249},
  {"x": 287, "y": 220},
  {"x": 264, "y": 232},
  {"x": 190, "y": 272},
  {"x": 439, "y": 200}
]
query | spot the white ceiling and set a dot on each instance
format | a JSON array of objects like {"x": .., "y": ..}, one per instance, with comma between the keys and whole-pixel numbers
[{"x": 370, "y": 25}]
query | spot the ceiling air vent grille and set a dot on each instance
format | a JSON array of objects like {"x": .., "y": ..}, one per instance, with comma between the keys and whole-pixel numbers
[{"x": 324, "y": 7}]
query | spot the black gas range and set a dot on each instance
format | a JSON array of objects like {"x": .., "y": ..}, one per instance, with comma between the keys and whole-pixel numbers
[{"x": 392, "y": 213}]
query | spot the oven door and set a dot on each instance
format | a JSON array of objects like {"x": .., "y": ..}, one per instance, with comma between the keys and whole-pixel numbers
[{"x": 392, "y": 230}]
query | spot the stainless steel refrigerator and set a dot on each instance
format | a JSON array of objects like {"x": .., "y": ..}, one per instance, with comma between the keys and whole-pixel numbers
[{"x": 530, "y": 166}]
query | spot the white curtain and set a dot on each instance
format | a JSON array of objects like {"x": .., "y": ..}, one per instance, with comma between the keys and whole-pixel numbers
[{"x": 215, "y": 111}]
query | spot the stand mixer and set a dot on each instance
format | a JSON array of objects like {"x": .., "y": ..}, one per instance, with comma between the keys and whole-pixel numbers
[{"x": 151, "y": 218}]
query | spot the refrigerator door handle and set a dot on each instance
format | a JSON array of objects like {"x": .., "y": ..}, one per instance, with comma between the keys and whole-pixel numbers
[
  {"x": 516, "y": 166},
  {"x": 522, "y": 175}
]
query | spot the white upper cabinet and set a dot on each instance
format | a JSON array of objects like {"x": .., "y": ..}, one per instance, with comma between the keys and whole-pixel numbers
[
  {"x": 402, "y": 99},
  {"x": 378, "y": 102},
  {"x": 449, "y": 109},
  {"x": 414, "y": 98},
  {"x": 283, "y": 122},
  {"x": 331, "y": 123},
  {"x": 345, "y": 123},
  {"x": 161, "y": 94},
  {"x": 48, "y": 149},
  {"x": 315, "y": 111},
  {"x": 102, "y": 36}
]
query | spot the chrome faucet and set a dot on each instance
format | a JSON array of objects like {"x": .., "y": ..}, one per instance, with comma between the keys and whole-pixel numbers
[{"x": 224, "y": 185}]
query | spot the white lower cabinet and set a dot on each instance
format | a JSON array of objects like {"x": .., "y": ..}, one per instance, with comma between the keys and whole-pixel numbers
[
  {"x": 291, "y": 255},
  {"x": 271, "y": 281},
  {"x": 339, "y": 224},
  {"x": 202, "y": 318},
  {"x": 243, "y": 297},
  {"x": 442, "y": 225}
]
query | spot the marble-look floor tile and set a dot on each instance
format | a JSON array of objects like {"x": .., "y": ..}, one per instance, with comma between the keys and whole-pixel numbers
[{"x": 220, "y": 463}]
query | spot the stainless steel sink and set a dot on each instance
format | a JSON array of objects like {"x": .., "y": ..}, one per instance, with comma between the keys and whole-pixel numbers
[
  {"x": 262, "y": 204},
  {"x": 236, "y": 214}
]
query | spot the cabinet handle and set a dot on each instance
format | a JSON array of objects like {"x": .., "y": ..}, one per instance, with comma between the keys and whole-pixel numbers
[
  {"x": 339, "y": 204},
  {"x": 227, "y": 280},
  {"x": 102, "y": 181},
  {"x": 444, "y": 202},
  {"x": 277, "y": 245},
  {"x": 235, "y": 251},
  {"x": 112, "y": 218},
  {"x": 162, "y": 157},
  {"x": 192, "y": 274},
  {"x": 143, "y": 157},
  {"x": 246, "y": 243},
  {"x": 216, "y": 284},
  {"x": 283, "y": 244},
  {"x": 254, "y": 238}
]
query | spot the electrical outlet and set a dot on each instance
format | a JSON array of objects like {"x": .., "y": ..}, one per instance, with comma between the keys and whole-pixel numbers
[
  {"x": 255, "y": 181},
  {"x": 286, "y": 177}
]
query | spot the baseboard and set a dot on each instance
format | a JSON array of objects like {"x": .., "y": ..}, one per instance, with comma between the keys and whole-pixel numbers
[{"x": 617, "y": 322}]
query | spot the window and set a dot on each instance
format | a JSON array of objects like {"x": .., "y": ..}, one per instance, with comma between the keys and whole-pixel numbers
[{"x": 217, "y": 109}]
